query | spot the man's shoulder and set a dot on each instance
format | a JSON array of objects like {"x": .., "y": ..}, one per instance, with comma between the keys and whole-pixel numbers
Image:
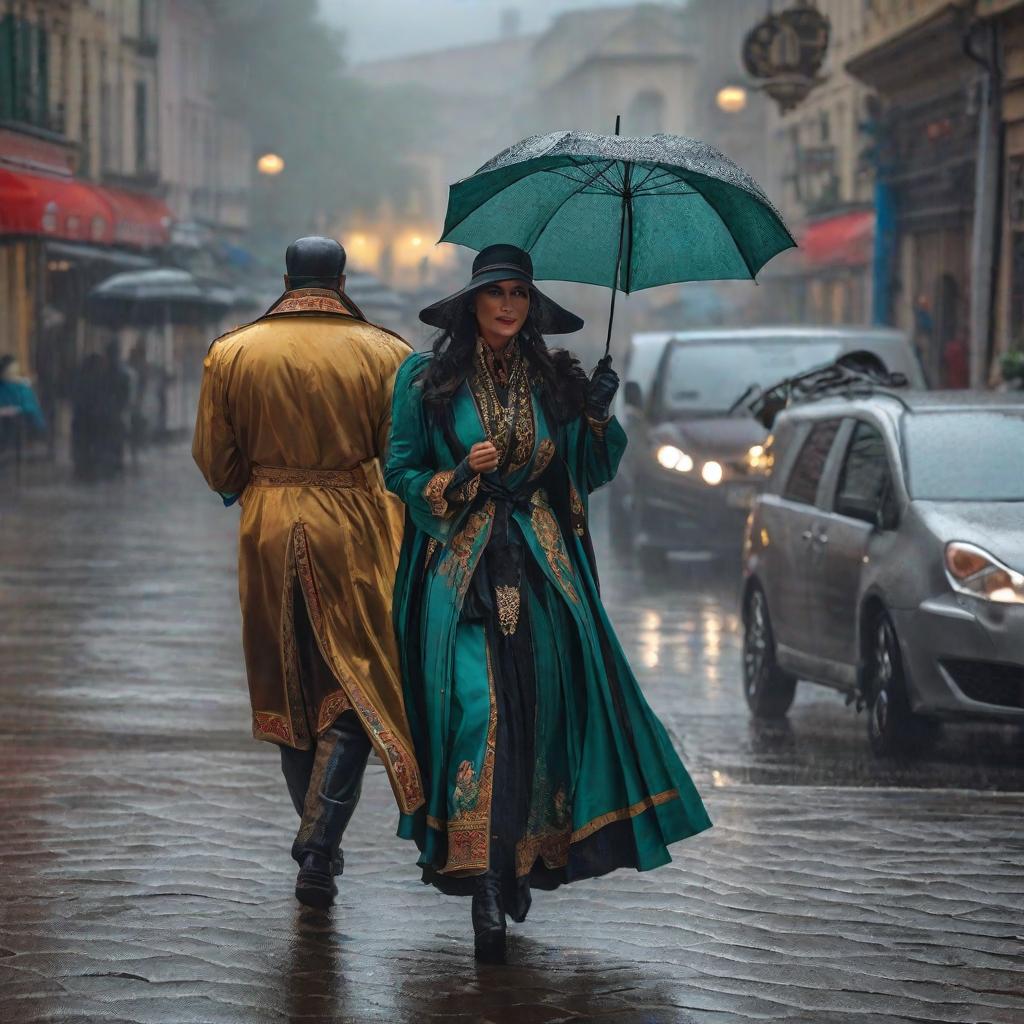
[
  {"x": 375, "y": 337},
  {"x": 230, "y": 338}
]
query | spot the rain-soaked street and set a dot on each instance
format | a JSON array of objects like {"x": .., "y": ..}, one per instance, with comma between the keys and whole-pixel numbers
[{"x": 144, "y": 869}]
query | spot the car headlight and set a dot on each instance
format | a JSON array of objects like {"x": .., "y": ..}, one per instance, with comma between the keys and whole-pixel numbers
[
  {"x": 712, "y": 473},
  {"x": 759, "y": 459},
  {"x": 976, "y": 573},
  {"x": 671, "y": 457}
]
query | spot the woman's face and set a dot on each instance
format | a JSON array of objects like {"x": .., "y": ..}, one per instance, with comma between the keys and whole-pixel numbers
[{"x": 501, "y": 310}]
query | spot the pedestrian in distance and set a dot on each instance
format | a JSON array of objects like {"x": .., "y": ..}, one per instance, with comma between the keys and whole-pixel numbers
[
  {"x": 293, "y": 419},
  {"x": 542, "y": 762},
  {"x": 19, "y": 407},
  {"x": 90, "y": 419}
]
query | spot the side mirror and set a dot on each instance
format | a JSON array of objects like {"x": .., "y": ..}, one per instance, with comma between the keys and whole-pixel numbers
[{"x": 632, "y": 395}]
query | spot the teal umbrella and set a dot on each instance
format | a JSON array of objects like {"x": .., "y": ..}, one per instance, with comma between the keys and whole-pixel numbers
[{"x": 624, "y": 212}]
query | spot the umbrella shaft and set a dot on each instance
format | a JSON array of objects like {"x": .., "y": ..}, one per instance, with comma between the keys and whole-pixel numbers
[{"x": 624, "y": 230}]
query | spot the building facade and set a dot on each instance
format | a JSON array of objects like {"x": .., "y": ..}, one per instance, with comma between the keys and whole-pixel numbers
[
  {"x": 823, "y": 182},
  {"x": 931, "y": 64},
  {"x": 108, "y": 139},
  {"x": 1007, "y": 20}
]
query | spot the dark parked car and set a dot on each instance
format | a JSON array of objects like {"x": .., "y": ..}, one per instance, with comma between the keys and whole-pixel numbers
[
  {"x": 886, "y": 559},
  {"x": 692, "y": 470}
]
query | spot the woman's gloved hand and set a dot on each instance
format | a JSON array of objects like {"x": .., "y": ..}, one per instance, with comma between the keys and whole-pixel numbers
[{"x": 604, "y": 382}]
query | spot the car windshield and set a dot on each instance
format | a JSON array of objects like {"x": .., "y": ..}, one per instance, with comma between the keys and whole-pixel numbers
[
  {"x": 709, "y": 377},
  {"x": 965, "y": 455}
]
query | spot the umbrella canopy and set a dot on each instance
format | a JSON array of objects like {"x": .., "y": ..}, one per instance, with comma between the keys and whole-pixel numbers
[
  {"x": 624, "y": 212},
  {"x": 166, "y": 294}
]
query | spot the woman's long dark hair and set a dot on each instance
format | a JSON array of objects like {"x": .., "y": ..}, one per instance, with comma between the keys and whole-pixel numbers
[{"x": 562, "y": 380}]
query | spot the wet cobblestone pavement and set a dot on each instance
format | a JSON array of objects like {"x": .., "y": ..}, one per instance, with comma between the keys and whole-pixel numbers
[{"x": 144, "y": 870}]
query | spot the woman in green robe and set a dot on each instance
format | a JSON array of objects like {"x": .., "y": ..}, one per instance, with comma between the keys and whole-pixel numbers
[{"x": 542, "y": 762}]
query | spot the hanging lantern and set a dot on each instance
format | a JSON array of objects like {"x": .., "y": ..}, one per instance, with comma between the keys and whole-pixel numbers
[{"x": 785, "y": 52}]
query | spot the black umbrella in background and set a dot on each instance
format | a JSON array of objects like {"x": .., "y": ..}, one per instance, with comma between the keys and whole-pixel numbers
[{"x": 153, "y": 298}]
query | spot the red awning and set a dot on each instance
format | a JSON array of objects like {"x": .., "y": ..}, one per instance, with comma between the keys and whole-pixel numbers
[
  {"x": 54, "y": 206},
  {"x": 139, "y": 220},
  {"x": 41, "y": 204},
  {"x": 841, "y": 241}
]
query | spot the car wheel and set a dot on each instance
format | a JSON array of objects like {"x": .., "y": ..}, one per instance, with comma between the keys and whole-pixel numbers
[
  {"x": 769, "y": 689},
  {"x": 892, "y": 727}
]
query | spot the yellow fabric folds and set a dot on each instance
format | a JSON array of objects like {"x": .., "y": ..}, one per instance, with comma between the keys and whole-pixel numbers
[{"x": 308, "y": 396}]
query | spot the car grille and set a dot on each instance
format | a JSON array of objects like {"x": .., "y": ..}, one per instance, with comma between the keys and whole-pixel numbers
[{"x": 991, "y": 682}]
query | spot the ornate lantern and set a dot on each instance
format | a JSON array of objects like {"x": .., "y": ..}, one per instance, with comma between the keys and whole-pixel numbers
[{"x": 786, "y": 50}]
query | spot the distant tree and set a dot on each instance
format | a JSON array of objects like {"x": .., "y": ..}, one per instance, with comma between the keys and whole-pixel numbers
[{"x": 282, "y": 71}]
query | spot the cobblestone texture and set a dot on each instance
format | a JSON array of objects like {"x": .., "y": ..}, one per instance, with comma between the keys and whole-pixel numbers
[{"x": 144, "y": 871}]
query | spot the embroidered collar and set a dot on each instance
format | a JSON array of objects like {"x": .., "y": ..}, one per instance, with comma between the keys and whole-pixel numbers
[
  {"x": 310, "y": 300},
  {"x": 500, "y": 367}
]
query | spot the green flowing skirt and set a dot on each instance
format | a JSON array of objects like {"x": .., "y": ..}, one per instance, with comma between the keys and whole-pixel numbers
[{"x": 547, "y": 764}]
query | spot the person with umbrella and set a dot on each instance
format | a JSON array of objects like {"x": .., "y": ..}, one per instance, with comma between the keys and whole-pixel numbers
[{"x": 542, "y": 762}]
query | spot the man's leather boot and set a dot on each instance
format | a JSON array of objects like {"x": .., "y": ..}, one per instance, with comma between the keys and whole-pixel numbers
[{"x": 331, "y": 799}]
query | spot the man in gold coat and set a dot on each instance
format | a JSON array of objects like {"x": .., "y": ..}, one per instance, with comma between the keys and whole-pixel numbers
[{"x": 293, "y": 420}]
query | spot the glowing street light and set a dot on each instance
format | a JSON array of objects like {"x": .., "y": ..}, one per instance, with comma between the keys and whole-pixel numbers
[
  {"x": 270, "y": 164},
  {"x": 731, "y": 99}
]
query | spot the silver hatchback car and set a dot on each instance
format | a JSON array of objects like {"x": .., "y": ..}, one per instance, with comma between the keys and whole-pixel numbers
[{"x": 886, "y": 559}]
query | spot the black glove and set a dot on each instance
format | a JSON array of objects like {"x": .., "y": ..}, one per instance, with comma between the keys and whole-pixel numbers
[{"x": 604, "y": 382}]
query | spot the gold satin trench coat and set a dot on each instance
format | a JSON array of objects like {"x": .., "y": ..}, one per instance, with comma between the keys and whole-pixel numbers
[{"x": 294, "y": 414}]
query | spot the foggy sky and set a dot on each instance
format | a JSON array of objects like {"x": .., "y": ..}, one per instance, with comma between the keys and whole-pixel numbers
[{"x": 389, "y": 28}]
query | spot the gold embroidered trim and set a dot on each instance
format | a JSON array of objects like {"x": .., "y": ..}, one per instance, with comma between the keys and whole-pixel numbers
[
  {"x": 545, "y": 452},
  {"x": 576, "y": 512},
  {"x": 508, "y": 609},
  {"x": 546, "y": 528},
  {"x": 331, "y": 707},
  {"x": 271, "y": 725},
  {"x": 462, "y": 553},
  {"x": 310, "y": 300},
  {"x": 598, "y": 427},
  {"x": 549, "y": 824},
  {"x": 469, "y": 829},
  {"x": 285, "y": 476},
  {"x": 623, "y": 813},
  {"x": 551, "y": 846},
  {"x": 432, "y": 545},
  {"x": 433, "y": 493},
  {"x": 495, "y": 415},
  {"x": 400, "y": 764},
  {"x": 464, "y": 494}
]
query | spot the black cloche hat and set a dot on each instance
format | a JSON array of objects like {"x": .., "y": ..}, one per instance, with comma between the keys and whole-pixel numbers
[{"x": 505, "y": 263}]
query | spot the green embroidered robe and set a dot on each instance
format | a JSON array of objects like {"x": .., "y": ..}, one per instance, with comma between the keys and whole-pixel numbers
[{"x": 602, "y": 762}]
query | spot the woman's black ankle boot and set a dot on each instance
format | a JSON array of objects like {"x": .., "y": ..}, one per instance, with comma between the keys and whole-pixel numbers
[{"x": 489, "y": 919}]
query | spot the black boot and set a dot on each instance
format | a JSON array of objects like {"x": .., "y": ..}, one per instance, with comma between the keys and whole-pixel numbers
[
  {"x": 315, "y": 885},
  {"x": 489, "y": 919},
  {"x": 334, "y": 787}
]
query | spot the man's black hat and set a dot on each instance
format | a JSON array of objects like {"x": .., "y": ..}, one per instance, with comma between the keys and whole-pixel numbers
[
  {"x": 505, "y": 263},
  {"x": 314, "y": 259}
]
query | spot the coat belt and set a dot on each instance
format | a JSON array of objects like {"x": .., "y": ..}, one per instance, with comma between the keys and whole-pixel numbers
[{"x": 287, "y": 476}]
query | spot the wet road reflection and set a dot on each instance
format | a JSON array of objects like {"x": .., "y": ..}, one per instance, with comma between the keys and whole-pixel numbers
[
  {"x": 144, "y": 870},
  {"x": 683, "y": 632}
]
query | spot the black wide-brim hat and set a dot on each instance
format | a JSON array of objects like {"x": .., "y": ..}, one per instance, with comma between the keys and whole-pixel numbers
[{"x": 505, "y": 263}]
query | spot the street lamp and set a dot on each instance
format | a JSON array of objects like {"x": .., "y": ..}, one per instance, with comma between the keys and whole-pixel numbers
[
  {"x": 731, "y": 99},
  {"x": 270, "y": 164}
]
